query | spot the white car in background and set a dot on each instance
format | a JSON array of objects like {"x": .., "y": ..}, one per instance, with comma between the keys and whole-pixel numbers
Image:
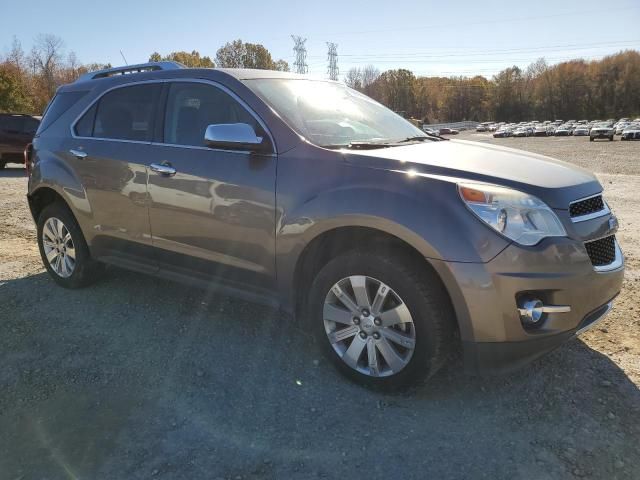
[
  {"x": 632, "y": 132},
  {"x": 581, "y": 131},
  {"x": 620, "y": 126}
]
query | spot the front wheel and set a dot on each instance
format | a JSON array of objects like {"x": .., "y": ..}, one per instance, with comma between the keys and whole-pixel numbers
[
  {"x": 381, "y": 320},
  {"x": 63, "y": 248}
]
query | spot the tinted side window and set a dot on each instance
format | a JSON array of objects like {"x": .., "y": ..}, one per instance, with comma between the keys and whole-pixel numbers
[
  {"x": 58, "y": 105},
  {"x": 191, "y": 107},
  {"x": 13, "y": 124},
  {"x": 84, "y": 127},
  {"x": 127, "y": 113},
  {"x": 30, "y": 125}
]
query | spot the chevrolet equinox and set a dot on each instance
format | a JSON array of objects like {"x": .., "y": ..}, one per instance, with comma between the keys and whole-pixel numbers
[{"x": 390, "y": 244}]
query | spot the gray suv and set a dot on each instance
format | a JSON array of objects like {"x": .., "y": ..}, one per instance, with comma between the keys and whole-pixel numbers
[{"x": 392, "y": 245}]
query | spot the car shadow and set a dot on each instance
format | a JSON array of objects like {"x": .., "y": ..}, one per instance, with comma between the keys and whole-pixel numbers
[
  {"x": 13, "y": 172},
  {"x": 135, "y": 375}
]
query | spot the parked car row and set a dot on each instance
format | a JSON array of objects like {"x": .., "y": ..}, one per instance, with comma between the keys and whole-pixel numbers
[{"x": 595, "y": 129}]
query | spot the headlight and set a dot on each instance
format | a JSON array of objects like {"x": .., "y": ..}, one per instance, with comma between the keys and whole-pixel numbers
[{"x": 522, "y": 218}]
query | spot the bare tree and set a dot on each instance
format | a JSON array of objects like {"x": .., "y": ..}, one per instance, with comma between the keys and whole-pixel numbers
[
  {"x": 16, "y": 55},
  {"x": 46, "y": 59},
  {"x": 353, "y": 78},
  {"x": 369, "y": 75}
]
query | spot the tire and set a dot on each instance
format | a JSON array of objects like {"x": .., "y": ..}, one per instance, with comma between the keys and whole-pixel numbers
[
  {"x": 611, "y": 139},
  {"x": 2, "y": 165},
  {"x": 591, "y": 139},
  {"x": 418, "y": 289},
  {"x": 66, "y": 271}
]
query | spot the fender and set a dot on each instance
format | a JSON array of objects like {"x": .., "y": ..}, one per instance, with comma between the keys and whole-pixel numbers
[
  {"x": 49, "y": 171},
  {"x": 399, "y": 213}
]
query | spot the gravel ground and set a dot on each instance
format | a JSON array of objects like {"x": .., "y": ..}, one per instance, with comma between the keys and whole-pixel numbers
[{"x": 139, "y": 378}]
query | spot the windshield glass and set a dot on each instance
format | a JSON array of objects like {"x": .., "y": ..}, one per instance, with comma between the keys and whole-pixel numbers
[{"x": 331, "y": 114}]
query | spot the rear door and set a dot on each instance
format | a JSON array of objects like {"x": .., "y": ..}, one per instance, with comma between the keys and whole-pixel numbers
[
  {"x": 109, "y": 151},
  {"x": 214, "y": 217}
]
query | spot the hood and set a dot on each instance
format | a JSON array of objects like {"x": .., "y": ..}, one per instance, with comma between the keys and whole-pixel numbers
[{"x": 556, "y": 183}]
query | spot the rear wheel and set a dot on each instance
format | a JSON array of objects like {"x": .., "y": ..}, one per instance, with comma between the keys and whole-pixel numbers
[
  {"x": 380, "y": 320},
  {"x": 63, "y": 248}
]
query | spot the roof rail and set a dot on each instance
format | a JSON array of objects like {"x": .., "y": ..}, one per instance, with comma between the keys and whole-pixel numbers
[{"x": 129, "y": 69}]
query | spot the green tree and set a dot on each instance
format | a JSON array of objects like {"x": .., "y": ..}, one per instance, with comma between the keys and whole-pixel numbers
[
  {"x": 14, "y": 96},
  {"x": 238, "y": 54},
  {"x": 192, "y": 60}
]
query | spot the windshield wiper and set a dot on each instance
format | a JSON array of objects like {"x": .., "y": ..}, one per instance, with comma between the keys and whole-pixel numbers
[
  {"x": 359, "y": 145},
  {"x": 427, "y": 136}
]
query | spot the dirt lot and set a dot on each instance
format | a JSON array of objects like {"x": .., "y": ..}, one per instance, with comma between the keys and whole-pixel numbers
[{"x": 138, "y": 378}]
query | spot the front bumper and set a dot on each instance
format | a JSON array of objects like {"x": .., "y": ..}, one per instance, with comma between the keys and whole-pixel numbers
[
  {"x": 601, "y": 134},
  {"x": 486, "y": 298},
  {"x": 501, "y": 357}
]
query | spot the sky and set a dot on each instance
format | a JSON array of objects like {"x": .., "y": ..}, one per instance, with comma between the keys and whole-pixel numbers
[{"x": 432, "y": 38}]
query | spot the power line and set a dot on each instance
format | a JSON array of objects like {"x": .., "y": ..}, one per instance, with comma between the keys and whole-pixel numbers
[
  {"x": 301, "y": 54},
  {"x": 332, "y": 58},
  {"x": 549, "y": 48}
]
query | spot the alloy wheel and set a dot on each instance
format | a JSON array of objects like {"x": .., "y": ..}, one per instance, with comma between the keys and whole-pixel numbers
[
  {"x": 58, "y": 247},
  {"x": 369, "y": 326}
]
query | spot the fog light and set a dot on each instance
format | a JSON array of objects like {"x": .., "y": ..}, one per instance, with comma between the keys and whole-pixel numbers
[{"x": 531, "y": 312}]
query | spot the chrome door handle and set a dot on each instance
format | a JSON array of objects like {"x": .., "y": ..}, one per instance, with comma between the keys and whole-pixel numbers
[
  {"x": 79, "y": 154},
  {"x": 163, "y": 169}
]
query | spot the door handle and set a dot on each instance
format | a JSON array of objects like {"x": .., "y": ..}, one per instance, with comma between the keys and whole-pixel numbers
[
  {"x": 79, "y": 154},
  {"x": 163, "y": 169}
]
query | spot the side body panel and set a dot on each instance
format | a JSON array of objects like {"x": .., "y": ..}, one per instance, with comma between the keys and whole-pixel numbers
[
  {"x": 319, "y": 190},
  {"x": 216, "y": 216}
]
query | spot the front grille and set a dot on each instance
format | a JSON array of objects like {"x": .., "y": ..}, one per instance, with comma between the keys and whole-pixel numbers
[
  {"x": 587, "y": 206},
  {"x": 602, "y": 251}
]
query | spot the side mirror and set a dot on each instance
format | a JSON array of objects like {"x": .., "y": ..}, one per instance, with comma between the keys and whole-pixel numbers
[{"x": 234, "y": 136}]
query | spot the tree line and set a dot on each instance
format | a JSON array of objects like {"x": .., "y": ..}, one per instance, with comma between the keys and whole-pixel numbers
[{"x": 577, "y": 89}]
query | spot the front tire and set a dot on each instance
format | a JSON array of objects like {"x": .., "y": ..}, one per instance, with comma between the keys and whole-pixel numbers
[
  {"x": 63, "y": 248},
  {"x": 380, "y": 319}
]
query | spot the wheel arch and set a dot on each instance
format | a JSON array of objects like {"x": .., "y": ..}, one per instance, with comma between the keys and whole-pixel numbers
[
  {"x": 335, "y": 241},
  {"x": 41, "y": 197}
]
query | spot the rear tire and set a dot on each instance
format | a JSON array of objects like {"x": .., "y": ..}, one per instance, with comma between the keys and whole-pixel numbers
[
  {"x": 63, "y": 249},
  {"x": 416, "y": 292},
  {"x": 611, "y": 139},
  {"x": 591, "y": 139},
  {"x": 2, "y": 165}
]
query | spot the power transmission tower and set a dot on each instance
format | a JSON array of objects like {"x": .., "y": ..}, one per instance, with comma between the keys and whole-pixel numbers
[
  {"x": 332, "y": 57},
  {"x": 300, "y": 65}
]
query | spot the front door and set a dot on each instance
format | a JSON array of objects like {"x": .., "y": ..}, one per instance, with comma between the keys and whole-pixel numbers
[{"x": 215, "y": 216}]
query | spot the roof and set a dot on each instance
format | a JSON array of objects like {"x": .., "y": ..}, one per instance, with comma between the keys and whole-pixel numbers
[{"x": 254, "y": 73}]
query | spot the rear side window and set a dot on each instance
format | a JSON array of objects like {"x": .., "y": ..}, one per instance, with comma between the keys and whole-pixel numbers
[
  {"x": 124, "y": 114},
  {"x": 84, "y": 127},
  {"x": 59, "y": 104}
]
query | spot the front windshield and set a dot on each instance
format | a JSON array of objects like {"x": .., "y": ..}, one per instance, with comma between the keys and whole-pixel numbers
[{"x": 331, "y": 114}]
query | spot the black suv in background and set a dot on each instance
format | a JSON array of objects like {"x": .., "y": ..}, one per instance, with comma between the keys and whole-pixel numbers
[{"x": 16, "y": 131}]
